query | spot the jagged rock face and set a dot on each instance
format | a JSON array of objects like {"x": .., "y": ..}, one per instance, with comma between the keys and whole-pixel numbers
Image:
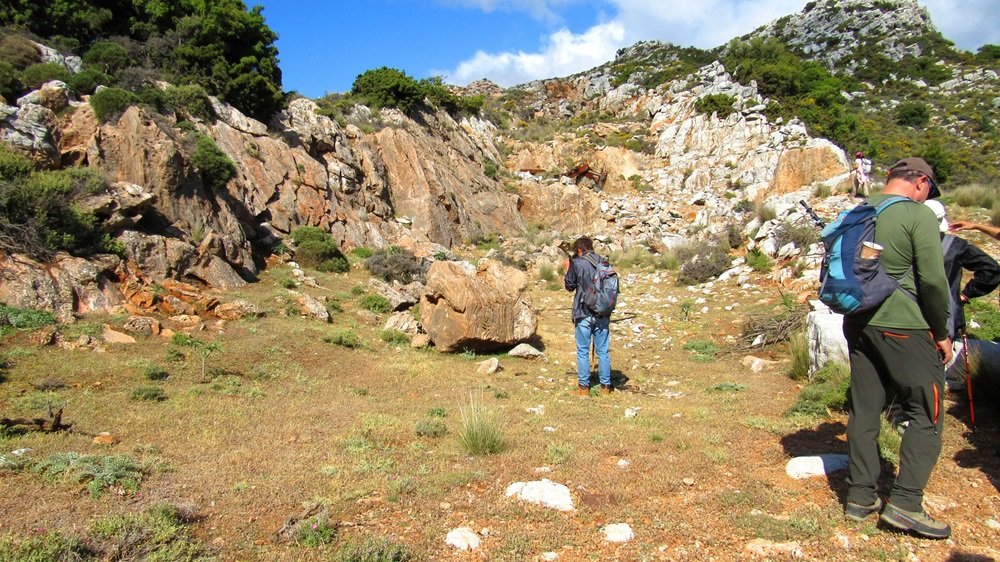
[
  {"x": 65, "y": 285},
  {"x": 438, "y": 183},
  {"x": 830, "y": 32},
  {"x": 482, "y": 309}
]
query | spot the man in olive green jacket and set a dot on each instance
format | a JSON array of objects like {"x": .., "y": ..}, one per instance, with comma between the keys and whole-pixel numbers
[{"x": 900, "y": 348}]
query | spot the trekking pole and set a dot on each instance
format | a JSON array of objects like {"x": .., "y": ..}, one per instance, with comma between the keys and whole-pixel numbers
[{"x": 968, "y": 380}]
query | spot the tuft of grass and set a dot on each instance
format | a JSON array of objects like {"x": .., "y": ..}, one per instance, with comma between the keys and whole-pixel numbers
[
  {"x": 546, "y": 272},
  {"x": 889, "y": 440},
  {"x": 799, "y": 344},
  {"x": 975, "y": 195},
  {"x": 559, "y": 453},
  {"x": 157, "y": 534},
  {"x": 481, "y": 432},
  {"x": 826, "y": 392},
  {"x": 345, "y": 338},
  {"x": 727, "y": 387},
  {"x": 149, "y": 393},
  {"x": 437, "y": 412},
  {"x": 155, "y": 373},
  {"x": 759, "y": 261}
]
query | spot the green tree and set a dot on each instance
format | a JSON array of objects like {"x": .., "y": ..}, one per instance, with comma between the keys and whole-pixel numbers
[
  {"x": 912, "y": 114},
  {"x": 387, "y": 87}
]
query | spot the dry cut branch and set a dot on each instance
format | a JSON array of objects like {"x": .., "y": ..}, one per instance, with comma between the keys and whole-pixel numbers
[{"x": 47, "y": 425}]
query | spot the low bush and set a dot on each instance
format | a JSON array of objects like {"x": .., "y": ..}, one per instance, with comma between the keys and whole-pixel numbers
[
  {"x": 87, "y": 80},
  {"x": 395, "y": 264},
  {"x": 375, "y": 303},
  {"x": 317, "y": 249},
  {"x": 375, "y": 550},
  {"x": 110, "y": 103},
  {"x": 189, "y": 101},
  {"x": 344, "y": 338},
  {"x": 431, "y": 428},
  {"x": 759, "y": 261},
  {"x": 212, "y": 163},
  {"x": 975, "y": 195},
  {"x": 700, "y": 262},
  {"x": 720, "y": 104},
  {"x": 827, "y": 391},
  {"x": 148, "y": 393},
  {"x": 37, "y": 74},
  {"x": 394, "y": 337},
  {"x": 97, "y": 472},
  {"x": 19, "y": 51},
  {"x": 156, "y": 373}
]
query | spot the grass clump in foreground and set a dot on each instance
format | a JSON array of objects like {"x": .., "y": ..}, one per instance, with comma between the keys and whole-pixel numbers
[
  {"x": 481, "y": 432},
  {"x": 827, "y": 391}
]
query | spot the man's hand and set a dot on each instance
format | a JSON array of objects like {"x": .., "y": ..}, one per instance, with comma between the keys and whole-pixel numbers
[
  {"x": 566, "y": 265},
  {"x": 944, "y": 346}
]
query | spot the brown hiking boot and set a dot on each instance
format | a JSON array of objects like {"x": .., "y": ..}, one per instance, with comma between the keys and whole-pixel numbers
[
  {"x": 915, "y": 521},
  {"x": 605, "y": 389},
  {"x": 581, "y": 391}
]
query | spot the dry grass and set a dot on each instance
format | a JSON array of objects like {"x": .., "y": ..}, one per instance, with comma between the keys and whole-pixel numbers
[{"x": 284, "y": 420}]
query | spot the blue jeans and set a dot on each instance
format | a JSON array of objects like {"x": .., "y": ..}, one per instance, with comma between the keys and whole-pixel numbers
[{"x": 596, "y": 329}]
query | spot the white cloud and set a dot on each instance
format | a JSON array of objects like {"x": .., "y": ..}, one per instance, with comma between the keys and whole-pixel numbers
[
  {"x": 969, "y": 23},
  {"x": 701, "y": 23},
  {"x": 564, "y": 53}
]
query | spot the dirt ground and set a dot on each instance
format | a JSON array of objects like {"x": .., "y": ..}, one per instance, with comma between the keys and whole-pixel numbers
[{"x": 286, "y": 421}]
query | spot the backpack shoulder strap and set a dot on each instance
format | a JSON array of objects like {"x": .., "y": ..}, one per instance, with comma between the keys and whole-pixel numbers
[
  {"x": 947, "y": 241},
  {"x": 593, "y": 259},
  {"x": 889, "y": 201}
]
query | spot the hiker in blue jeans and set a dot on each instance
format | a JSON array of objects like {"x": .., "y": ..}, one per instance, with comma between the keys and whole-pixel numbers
[{"x": 580, "y": 271}]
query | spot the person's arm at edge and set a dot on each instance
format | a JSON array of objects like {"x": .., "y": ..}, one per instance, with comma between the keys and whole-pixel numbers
[
  {"x": 987, "y": 229},
  {"x": 570, "y": 281}
]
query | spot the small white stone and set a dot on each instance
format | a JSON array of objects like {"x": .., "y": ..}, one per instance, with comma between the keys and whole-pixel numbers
[
  {"x": 462, "y": 538},
  {"x": 622, "y": 463},
  {"x": 618, "y": 532}
]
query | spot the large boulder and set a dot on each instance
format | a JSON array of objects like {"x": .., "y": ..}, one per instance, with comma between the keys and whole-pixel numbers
[{"x": 481, "y": 309}]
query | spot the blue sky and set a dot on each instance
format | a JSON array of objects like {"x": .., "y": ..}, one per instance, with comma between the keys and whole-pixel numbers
[{"x": 324, "y": 45}]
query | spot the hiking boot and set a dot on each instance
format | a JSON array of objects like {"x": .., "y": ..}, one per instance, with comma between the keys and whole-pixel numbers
[
  {"x": 605, "y": 389},
  {"x": 581, "y": 391},
  {"x": 857, "y": 512},
  {"x": 916, "y": 521}
]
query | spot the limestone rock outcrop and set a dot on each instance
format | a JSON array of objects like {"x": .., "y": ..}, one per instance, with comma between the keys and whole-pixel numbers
[{"x": 482, "y": 308}]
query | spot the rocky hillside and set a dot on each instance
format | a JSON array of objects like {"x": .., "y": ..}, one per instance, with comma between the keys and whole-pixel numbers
[{"x": 662, "y": 147}]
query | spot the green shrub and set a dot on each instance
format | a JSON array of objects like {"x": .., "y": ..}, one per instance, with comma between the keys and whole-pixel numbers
[
  {"x": 395, "y": 264},
  {"x": 362, "y": 252},
  {"x": 107, "y": 56},
  {"x": 24, "y": 318},
  {"x": 189, "y": 101},
  {"x": 87, "y": 80},
  {"x": 37, "y": 74},
  {"x": 975, "y": 195},
  {"x": 481, "y": 432},
  {"x": 721, "y": 104},
  {"x": 912, "y": 114},
  {"x": 110, "y": 103},
  {"x": 344, "y": 338},
  {"x": 155, "y": 373},
  {"x": 212, "y": 163},
  {"x": 375, "y": 303},
  {"x": 394, "y": 337},
  {"x": 149, "y": 393},
  {"x": 19, "y": 51},
  {"x": 387, "y": 87},
  {"x": 827, "y": 391},
  {"x": 431, "y": 428},
  {"x": 317, "y": 249},
  {"x": 10, "y": 82},
  {"x": 759, "y": 261}
]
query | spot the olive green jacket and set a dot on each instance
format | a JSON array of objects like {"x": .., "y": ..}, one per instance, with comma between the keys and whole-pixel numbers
[{"x": 908, "y": 233}]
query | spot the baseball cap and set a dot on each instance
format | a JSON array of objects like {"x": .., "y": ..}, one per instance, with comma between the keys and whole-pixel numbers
[
  {"x": 917, "y": 165},
  {"x": 939, "y": 212}
]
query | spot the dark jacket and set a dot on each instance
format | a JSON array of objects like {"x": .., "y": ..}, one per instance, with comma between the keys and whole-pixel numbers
[
  {"x": 580, "y": 278},
  {"x": 959, "y": 254}
]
